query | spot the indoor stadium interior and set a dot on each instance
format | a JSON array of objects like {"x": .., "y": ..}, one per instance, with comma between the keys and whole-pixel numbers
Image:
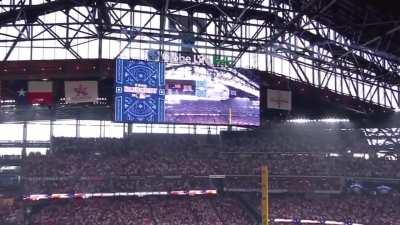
[{"x": 199, "y": 112}]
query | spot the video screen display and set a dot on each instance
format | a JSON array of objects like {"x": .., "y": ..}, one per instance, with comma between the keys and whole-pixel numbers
[{"x": 159, "y": 92}]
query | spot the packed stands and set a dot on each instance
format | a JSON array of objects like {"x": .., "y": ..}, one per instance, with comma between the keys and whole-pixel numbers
[
  {"x": 225, "y": 209},
  {"x": 146, "y": 163},
  {"x": 77, "y": 164},
  {"x": 10, "y": 213},
  {"x": 363, "y": 209},
  {"x": 145, "y": 211}
]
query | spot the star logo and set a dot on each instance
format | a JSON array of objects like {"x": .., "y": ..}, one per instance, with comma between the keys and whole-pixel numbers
[
  {"x": 81, "y": 91},
  {"x": 21, "y": 93}
]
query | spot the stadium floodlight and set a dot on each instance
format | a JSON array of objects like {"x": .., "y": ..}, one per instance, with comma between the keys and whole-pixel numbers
[
  {"x": 299, "y": 121},
  {"x": 327, "y": 120},
  {"x": 334, "y": 120}
]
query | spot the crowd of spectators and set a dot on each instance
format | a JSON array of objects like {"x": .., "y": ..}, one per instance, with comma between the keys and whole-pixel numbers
[
  {"x": 99, "y": 211},
  {"x": 291, "y": 138},
  {"x": 220, "y": 210},
  {"x": 187, "y": 164},
  {"x": 189, "y": 156},
  {"x": 362, "y": 209},
  {"x": 297, "y": 162},
  {"x": 286, "y": 184},
  {"x": 143, "y": 211},
  {"x": 96, "y": 185},
  {"x": 91, "y": 165},
  {"x": 10, "y": 214}
]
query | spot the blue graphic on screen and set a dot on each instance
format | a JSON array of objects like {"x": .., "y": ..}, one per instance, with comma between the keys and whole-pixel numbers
[
  {"x": 154, "y": 92},
  {"x": 140, "y": 91}
]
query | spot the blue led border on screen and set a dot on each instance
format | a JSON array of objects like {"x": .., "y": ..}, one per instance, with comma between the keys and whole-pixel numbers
[
  {"x": 160, "y": 85},
  {"x": 118, "y": 99},
  {"x": 161, "y": 119}
]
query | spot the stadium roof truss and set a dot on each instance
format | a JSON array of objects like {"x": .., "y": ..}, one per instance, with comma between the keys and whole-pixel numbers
[
  {"x": 385, "y": 141},
  {"x": 329, "y": 44}
]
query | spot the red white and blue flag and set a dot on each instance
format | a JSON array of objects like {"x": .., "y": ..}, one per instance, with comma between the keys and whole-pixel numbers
[
  {"x": 80, "y": 91},
  {"x": 29, "y": 92},
  {"x": 40, "y": 92}
]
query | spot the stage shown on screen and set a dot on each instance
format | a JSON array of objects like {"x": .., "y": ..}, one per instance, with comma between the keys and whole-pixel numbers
[{"x": 155, "y": 92}]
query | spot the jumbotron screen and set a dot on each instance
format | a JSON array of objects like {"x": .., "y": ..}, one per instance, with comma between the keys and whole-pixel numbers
[{"x": 159, "y": 92}]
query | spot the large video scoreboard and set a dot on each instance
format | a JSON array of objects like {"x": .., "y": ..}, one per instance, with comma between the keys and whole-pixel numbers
[{"x": 185, "y": 93}]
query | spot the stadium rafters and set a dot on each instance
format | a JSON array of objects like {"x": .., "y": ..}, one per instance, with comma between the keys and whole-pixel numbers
[
  {"x": 386, "y": 141},
  {"x": 309, "y": 41}
]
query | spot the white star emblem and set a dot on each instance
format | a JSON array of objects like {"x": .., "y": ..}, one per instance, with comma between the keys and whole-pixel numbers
[{"x": 21, "y": 92}]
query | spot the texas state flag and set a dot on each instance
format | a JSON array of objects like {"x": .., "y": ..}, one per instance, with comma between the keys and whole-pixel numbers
[
  {"x": 19, "y": 91},
  {"x": 32, "y": 92},
  {"x": 40, "y": 92}
]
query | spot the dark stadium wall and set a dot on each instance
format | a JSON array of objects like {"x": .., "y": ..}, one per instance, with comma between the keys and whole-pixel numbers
[{"x": 57, "y": 69}]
